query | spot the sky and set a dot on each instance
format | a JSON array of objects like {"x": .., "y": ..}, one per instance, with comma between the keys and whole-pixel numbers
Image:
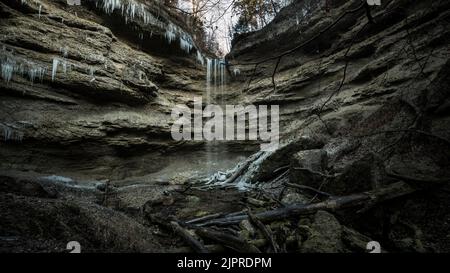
[{"x": 219, "y": 16}]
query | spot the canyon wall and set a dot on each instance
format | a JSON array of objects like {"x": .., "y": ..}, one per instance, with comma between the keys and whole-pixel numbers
[{"x": 88, "y": 90}]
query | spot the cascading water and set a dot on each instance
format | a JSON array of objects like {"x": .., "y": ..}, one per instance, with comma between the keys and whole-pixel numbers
[{"x": 215, "y": 81}]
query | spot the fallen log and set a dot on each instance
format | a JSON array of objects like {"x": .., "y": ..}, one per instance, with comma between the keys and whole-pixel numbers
[
  {"x": 303, "y": 187},
  {"x": 267, "y": 233},
  {"x": 211, "y": 248},
  {"x": 390, "y": 192},
  {"x": 216, "y": 248},
  {"x": 198, "y": 222},
  {"x": 242, "y": 168},
  {"x": 236, "y": 243},
  {"x": 187, "y": 237},
  {"x": 204, "y": 218}
]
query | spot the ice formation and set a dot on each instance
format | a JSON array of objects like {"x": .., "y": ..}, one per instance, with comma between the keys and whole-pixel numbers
[
  {"x": 170, "y": 36},
  {"x": 7, "y": 70},
  {"x": 133, "y": 10},
  {"x": 55, "y": 68},
  {"x": 246, "y": 180},
  {"x": 200, "y": 58},
  {"x": 15, "y": 65},
  {"x": 57, "y": 61},
  {"x": 36, "y": 72},
  {"x": 186, "y": 45},
  {"x": 130, "y": 10},
  {"x": 10, "y": 133},
  {"x": 59, "y": 179}
]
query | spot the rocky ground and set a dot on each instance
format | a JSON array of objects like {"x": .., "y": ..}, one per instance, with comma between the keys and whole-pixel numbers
[{"x": 88, "y": 156}]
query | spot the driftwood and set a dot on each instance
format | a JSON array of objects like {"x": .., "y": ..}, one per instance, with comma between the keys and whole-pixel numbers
[
  {"x": 392, "y": 191},
  {"x": 242, "y": 169},
  {"x": 303, "y": 187},
  {"x": 211, "y": 249},
  {"x": 204, "y": 218},
  {"x": 267, "y": 233},
  {"x": 217, "y": 248},
  {"x": 187, "y": 237},
  {"x": 236, "y": 243},
  {"x": 423, "y": 181}
]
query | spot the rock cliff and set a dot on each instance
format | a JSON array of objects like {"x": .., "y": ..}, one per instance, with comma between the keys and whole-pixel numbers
[{"x": 90, "y": 88}]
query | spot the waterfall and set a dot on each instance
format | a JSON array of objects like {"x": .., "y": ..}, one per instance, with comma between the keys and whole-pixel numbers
[
  {"x": 215, "y": 81},
  {"x": 215, "y": 78}
]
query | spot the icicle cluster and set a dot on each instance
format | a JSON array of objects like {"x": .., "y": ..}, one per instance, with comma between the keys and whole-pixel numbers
[
  {"x": 10, "y": 133},
  {"x": 170, "y": 34},
  {"x": 200, "y": 58},
  {"x": 57, "y": 61},
  {"x": 132, "y": 10},
  {"x": 186, "y": 45},
  {"x": 13, "y": 65},
  {"x": 246, "y": 181}
]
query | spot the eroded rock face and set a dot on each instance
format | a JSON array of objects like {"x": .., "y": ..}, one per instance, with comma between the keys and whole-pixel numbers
[
  {"x": 377, "y": 91},
  {"x": 382, "y": 76},
  {"x": 78, "y": 89}
]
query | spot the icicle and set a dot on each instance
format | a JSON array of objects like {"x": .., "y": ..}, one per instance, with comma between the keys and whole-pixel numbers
[
  {"x": 170, "y": 36},
  {"x": 32, "y": 74},
  {"x": 40, "y": 10},
  {"x": 64, "y": 51},
  {"x": 54, "y": 68},
  {"x": 185, "y": 45},
  {"x": 7, "y": 71},
  {"x": 200, "y": 58},
  {"x": 132, "y": 10},
  {"x": 91, "y": 73},
  {"x": 11, "y": 134},
  {"x": 12, "y": 65}
]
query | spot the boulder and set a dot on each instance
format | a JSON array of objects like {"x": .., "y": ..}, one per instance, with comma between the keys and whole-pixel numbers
[
  {"x": 307, "y": 166},
  {"x": 21, "y": 185},
  {"x": 326, "y": 235},
  {"x": 361, "y": 174},
  {"x": 294, "y": 198}
]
